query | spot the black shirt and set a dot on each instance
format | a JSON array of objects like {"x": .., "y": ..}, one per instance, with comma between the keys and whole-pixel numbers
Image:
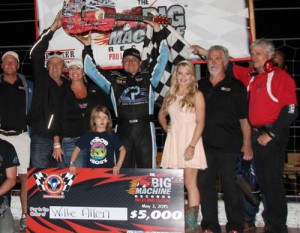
[
  {"x": 8, "y": 158},
  {"x": 75, "y": 113},
  {"x": 12, "y": 105},
  {"x": 226, "y": 104}
]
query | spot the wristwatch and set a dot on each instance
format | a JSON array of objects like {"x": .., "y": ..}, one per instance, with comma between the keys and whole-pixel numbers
[{"x": 72, "y": 162}]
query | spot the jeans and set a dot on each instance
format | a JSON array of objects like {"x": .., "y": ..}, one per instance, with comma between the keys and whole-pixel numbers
[
  {"x": 7, "y": 221},
  {"x": 41, "y": 149},
  {"x": 68, "y": 145}
]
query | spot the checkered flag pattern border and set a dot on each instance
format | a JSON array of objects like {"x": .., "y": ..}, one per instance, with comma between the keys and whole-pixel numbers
[
  {"x": 40, "y": 179},
  {"x": 179, "y": 50},
  {"x": 68, "y": 179}
]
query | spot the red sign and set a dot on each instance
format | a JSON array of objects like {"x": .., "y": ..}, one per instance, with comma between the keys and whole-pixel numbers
[{"x": 95, "y": 200}]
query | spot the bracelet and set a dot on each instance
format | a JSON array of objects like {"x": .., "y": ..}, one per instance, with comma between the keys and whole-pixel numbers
[
  {"x": 192, "y": 146},
  {"x": 56, "y": 145}
]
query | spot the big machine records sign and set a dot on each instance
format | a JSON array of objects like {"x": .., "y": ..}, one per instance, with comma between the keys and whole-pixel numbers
[
  {"x": 95, "y": 200},
  {"x": 202, "y": 22}
]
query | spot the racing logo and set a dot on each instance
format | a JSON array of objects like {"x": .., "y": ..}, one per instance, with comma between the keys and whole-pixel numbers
[
  {"x": 133, "y": 96},
  {"x": 54, "y": 185},
  {"x": 151, "y": 189}
]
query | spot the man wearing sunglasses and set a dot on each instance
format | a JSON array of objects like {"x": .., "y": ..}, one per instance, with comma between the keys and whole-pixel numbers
[{"x": 48, "y": 81}]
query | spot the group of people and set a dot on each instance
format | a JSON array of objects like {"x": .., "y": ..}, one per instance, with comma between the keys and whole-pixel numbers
[{"x": 66, "y": 122}]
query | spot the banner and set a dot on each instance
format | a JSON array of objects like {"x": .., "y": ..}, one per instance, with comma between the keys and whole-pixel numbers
[
  {"x": 95, "y": 200},
  {"x": 201, "y": 22}
]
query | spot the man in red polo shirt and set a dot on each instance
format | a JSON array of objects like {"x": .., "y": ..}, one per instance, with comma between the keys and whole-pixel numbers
[{"x": 272, "y": 108}]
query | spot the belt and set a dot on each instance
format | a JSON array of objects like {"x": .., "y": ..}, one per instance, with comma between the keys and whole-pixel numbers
[
  {"x": 135, "y": 120},
  {"x": 11, "y": 132}
]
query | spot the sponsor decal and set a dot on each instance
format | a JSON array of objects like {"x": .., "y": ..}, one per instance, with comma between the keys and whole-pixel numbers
[
  {"x": 54, "y": 185},
  {"x": 151, "y": 189}
]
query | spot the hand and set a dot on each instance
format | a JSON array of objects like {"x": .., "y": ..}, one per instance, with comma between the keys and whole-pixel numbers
[
  {"x": 248, "y": 153},
  {"x": 85, "y": 40},
  {"x": 57, "y": 154},
  {"x": 72, "y": 169},
  {"x": 167, "y": 128},
  {"x": 264, "y": 139},
  {"x": 57, "y": 22},
  {"x": 189, "y": 153},
  {"x": 116, "y": 170},
  {"x": 199, "y": 50},
  {"x": 155, "y": 25}
]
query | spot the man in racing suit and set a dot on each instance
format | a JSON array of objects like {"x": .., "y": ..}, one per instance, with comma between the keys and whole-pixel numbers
[{"x": 132, "y": 95}]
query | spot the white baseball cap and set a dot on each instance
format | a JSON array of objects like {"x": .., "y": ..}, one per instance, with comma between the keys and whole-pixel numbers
[
  {"x": 76, "y": 62},
  {"x": 12, "y": 53}
]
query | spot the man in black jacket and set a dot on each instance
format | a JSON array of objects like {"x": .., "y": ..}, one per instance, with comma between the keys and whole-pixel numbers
[{"x": 46, "y": 98}]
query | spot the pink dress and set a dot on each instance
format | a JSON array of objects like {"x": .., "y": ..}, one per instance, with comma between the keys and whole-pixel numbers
[{"x": 180, "y": 134}]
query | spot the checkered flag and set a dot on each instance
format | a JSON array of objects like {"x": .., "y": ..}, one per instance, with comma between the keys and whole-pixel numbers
[
  {"x": 68, "y": 179},
  {"x": 40, "y": 179},
  {"x": 179, "y": 50}
]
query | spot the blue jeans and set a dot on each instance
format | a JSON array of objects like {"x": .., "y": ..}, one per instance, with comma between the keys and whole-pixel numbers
[
  {"x": 7, "y": 221},
  {"x": 68, "y": 146},
  {"x": 251, "y": 210},
  {"x": 41, "y": 149}
]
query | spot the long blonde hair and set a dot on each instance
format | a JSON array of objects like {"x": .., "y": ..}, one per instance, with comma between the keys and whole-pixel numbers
[
  {"x": 188, "y": 99},
  {"x": 96, "y": 110}
]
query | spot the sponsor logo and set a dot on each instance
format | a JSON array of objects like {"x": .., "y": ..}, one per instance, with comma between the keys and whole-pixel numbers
[
  {"x": 151, "y": 189},
  {"x": 227, "y": 89},
  {"x": 54, "y": 185},
  {"x": 291, "y": 109}
]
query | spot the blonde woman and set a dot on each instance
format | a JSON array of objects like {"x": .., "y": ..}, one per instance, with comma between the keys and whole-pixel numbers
[{"x": 183, "y": 148}]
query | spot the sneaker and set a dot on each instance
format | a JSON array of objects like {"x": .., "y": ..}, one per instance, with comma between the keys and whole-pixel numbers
[
  {"x": 23, "y": 223},
  {"x": 249, "y": 226}
]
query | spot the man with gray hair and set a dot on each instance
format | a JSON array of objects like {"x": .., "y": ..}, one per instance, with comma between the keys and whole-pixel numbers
[
  {"x": 46, "y": 98},
  {"x": 272, "y": 108},
  {"x": 226, "y": 135}
]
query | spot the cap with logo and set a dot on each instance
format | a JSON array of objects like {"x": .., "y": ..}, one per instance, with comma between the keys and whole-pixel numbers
[{"x": 132, "y": 52}]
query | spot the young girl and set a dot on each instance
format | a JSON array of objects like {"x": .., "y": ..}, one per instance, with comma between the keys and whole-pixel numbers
[
  {"x": 183, "y": 147},
  {"x": 101, "y": 141}
]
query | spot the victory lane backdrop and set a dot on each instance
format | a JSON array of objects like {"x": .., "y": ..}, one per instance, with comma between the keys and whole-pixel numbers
[{"x": 95, "y": 200}]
